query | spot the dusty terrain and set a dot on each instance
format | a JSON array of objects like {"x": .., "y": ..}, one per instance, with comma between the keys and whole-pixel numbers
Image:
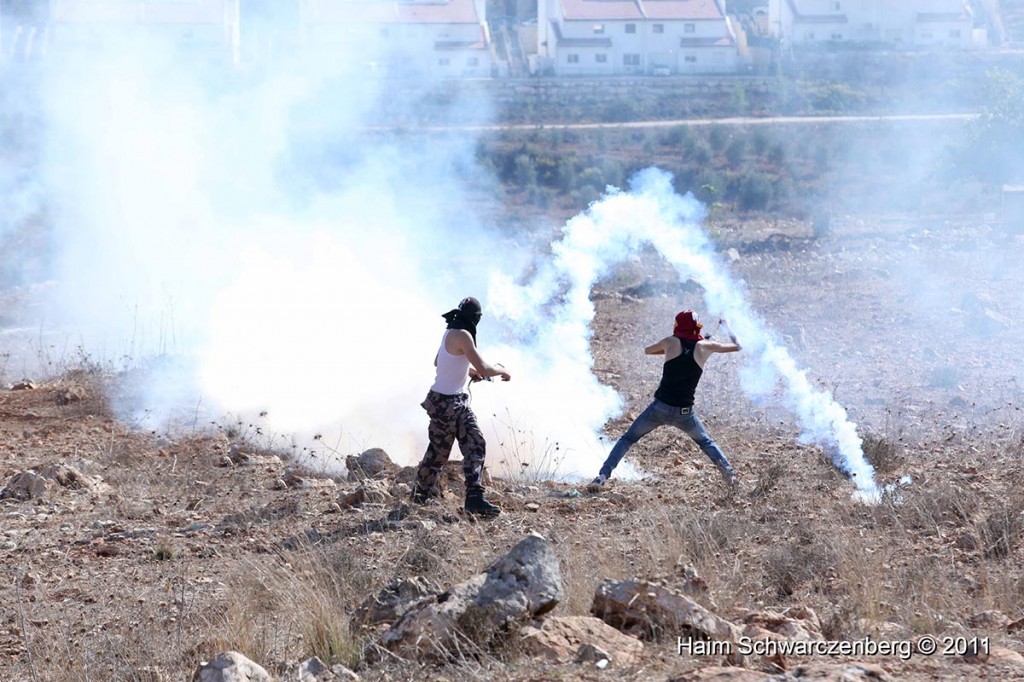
[{"x": 151, "y": 553}]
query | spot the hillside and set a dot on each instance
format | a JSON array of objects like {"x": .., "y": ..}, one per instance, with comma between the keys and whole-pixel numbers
[{"x": 145, "y": 554}]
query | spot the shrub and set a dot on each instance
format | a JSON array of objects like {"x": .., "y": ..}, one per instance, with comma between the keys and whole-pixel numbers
[
  {"x": 701, "y": 153},
  {"x": 718, "y": 137},
  {"x": 754, "y": 193},
  {"x": 736, "y": 150},
  {"x": 676, "y": 136},
  {"x": 881, "y": 453},
  {"x": 777, "y": 155},
  {"x": 525, "y": 171}
]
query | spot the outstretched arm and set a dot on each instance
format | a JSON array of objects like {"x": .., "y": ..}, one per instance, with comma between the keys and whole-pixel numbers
[{"x": 706, "y": 348}]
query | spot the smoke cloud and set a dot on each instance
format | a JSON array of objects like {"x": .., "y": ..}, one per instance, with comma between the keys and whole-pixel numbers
[
  {"x": 292, "y": 257},
  {"x": 554, "y": 311}
]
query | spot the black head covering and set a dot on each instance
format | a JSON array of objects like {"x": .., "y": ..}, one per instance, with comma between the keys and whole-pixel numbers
[{"x": 466, "y": 316}]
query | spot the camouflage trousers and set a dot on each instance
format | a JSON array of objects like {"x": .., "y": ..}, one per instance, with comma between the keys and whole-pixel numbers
[{"x": 451, "y": 419}]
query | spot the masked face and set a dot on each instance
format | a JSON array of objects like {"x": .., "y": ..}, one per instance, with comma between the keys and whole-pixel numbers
[{"x": 688, "y": 326}]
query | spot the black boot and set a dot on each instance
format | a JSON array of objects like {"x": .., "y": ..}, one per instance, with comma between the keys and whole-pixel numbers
[
  {"x": 476, "y": 504},
  {"x": 421, "y": 496}
]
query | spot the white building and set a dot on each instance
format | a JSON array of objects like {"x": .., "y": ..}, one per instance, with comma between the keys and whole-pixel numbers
[
  {"x": 900, "y": 23},
  {"x": 655, "y": 37},
  {"x": 199, "y": 27},
  {"x": 446, "y": 38}
]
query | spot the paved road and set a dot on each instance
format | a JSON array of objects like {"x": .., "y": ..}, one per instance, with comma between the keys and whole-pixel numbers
[{"x": 739, "y": 120}]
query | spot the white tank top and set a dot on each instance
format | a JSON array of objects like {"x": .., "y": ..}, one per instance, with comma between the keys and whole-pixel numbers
[{"x": 452, "y": 371}]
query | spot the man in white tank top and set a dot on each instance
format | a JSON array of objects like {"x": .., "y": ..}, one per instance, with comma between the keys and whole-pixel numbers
[{"x": 451, "y": 418}]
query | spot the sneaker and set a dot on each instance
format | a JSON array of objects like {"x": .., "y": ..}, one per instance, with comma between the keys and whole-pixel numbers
[{"x": 597, "y": 484}]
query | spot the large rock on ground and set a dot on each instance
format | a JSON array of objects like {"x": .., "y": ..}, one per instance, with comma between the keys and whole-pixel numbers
[
  {"x": 373, "y": 492},
  {"x": 522, "y": 585},
  {"x": 315, "y": 670},
  {"x": 372, "y": 463},
  {"x": 25, "y": 485},
  {"x": 651, "y": 611},
  {"x": 391, "y": 603},
  {"x": 560, "y": 639},
  {"x": 231, "y": 667}
]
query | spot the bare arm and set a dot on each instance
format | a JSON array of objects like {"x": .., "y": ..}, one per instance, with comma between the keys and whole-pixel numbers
[
  {"x": 716, "y": 347},
  {"x": 462, "y": 344},
  {"x": 705, "y": 349},
  {"x": 658, "y": 348}
]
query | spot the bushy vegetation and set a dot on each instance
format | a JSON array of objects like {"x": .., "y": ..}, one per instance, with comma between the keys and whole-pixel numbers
[{"x": 739, "y": 168}]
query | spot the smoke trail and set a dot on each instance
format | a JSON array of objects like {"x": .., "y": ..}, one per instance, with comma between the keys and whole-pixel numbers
[{"x": 554, "y": 311}]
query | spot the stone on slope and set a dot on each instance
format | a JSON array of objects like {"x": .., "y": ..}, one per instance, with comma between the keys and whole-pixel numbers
[
  {"x": 522, "y": 585},
  {"x": 567, "y": 639},
  {"x": 231, "y": 667}
]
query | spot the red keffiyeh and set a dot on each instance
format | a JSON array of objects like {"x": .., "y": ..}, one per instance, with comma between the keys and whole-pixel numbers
[{"x": 687, "y": 327}]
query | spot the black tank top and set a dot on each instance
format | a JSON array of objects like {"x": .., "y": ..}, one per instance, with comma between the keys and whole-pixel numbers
[{"x": 679, "y": 377}]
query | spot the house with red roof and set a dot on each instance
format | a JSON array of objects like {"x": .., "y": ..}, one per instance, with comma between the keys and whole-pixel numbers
[
  {"x": 904, "y": 23},
  {"x": 622, "y": 37},
  {"x": 442, "y": 38}
]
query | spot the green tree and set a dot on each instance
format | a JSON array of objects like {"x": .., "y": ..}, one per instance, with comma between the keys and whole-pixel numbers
[{"x": 994, "y": 149}]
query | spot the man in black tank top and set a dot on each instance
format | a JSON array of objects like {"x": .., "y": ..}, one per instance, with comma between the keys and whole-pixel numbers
[{"x": 685, "y": 353}]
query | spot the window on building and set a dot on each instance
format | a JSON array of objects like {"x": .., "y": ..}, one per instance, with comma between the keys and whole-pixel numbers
[
  {"x": 954, "y": 33},
  {"x": 631, "y": 59},
  {"x": 598, "y": 28},
  {"x": 688, "y": 28},
  {"x": 601, "y": 58},
  {"x": 690, "y": 59},
  {"x": 630, "y": 28},
  {"x": 443, "y": 61},
  {"x": 573, "y": 58},
  {"x": 837, "y": 36},
  {"x": 926, "y": 36},
  {"x": 837, "y": 6},
  {"x": 809, "y": 35},
  {"x": 384, "y": 33},
  {"x": 473, "y": 61}
]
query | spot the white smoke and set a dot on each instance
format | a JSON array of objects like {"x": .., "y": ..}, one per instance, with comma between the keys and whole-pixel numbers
[
  {"x": 555, "y": 310},
  {"x": 248, "y": 228},
  {"x": 295, "y": 259}
]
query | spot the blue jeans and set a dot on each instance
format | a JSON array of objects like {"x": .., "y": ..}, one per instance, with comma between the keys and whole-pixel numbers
[{"x": 661, "y": 414}]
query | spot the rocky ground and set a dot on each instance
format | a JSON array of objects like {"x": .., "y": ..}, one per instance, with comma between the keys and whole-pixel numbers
[{"x": 128, "y": 555}]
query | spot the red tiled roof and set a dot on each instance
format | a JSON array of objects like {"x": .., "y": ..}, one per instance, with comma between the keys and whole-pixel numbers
[
  {"x": 799, "y": 18},
  {"x": 598, "y": 10},
  {"x": 695, "y": 10},
  {"x": 390, "y": 12}
]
